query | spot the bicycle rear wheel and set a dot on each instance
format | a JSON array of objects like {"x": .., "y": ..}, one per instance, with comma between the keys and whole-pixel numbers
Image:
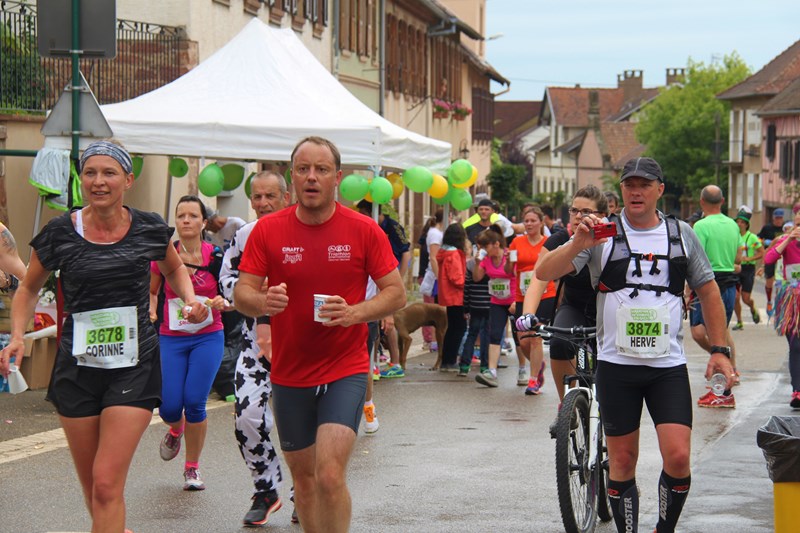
[
  {"x": 603, "y": 504},
  {"x": 577, "y": 482}
]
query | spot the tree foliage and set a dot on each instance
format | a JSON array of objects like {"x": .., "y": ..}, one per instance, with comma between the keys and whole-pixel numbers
[
  {"x": 679, "y": 127},
  {"x": 505, "y": 179},
  {"x": 20, "y": 69}
]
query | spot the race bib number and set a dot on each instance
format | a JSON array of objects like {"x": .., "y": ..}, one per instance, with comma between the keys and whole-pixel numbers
[
  {"x": 643, "y": 332},
  {"x": 525, "y": 279},
  {"x": 500, "y": 288},
  {"x": 106, "y": 338},
  {"x": 177, "y": 322},
  {"x": 792, "y": 272}
]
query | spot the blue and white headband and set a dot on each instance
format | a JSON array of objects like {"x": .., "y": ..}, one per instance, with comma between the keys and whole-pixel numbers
[{"x": 110, "y": 149}]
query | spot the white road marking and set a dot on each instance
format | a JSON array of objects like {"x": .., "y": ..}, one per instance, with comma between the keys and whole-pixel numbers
[{"x": 47, "y": 441}]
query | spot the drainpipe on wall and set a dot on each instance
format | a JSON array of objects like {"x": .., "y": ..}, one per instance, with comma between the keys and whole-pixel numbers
[
  {"x": 335, "y": 40},
  {"x": 382, "y": 60}
]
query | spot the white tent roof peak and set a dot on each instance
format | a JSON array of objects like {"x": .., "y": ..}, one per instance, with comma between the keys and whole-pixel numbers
[{"x": 254, "y": 98}]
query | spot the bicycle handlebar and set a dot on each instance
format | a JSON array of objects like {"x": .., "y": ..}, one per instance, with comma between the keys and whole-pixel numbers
[{"x": 575, "y": 331}]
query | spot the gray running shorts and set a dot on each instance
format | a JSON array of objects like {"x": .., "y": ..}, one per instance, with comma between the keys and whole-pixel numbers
[{"x": 299, "y": 411}]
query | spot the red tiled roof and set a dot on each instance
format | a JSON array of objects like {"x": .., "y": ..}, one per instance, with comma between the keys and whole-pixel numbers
[
  {"x": 771, "y": 79},
  {"x": 571, "y": 104},
  {"x": 619, "y": 139},
  {"x": 511, "y": 116},
  {"x": 787, "y": 102}
]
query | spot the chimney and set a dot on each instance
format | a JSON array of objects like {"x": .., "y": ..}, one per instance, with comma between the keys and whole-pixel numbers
[
  {"x": 675, "y": 75},
  {"x": 594, "y": 110},
  {"x": 630, "y": 83}
]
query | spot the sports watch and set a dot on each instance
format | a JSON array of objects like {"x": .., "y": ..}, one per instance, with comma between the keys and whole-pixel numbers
[{"x": 724, "y": 350}]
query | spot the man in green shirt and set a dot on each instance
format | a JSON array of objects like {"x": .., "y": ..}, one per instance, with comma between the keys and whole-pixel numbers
[
  {"x": 750, "y": 251},
  {"x": 719, "y": 235}
]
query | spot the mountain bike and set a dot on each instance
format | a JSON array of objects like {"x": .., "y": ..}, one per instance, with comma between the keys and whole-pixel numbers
[{"x": 581, "y": 454}]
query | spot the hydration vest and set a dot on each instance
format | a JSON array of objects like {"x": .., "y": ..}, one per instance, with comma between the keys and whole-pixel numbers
[{"x": 614, "y": 276}]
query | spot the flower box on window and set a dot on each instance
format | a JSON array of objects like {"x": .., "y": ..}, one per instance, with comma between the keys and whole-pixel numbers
[
  {"x": 460, "y": 111},
  {"x": 441, "y": 108}
]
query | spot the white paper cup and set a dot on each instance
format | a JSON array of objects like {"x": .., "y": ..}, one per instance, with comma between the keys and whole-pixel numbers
[
  {"x": 482, "y": 254},
  {"x": 512, "y": 255},
  {"x": 319, "y": 301},
  {"x": 16, "y": 383}
]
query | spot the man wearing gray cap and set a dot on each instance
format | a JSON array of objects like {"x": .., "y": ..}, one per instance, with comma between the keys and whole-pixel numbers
[
  {"x": 640, "y": 275},
  {"x": 221, "y": 229}
]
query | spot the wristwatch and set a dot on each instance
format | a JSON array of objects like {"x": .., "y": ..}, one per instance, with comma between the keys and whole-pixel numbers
[{"x": 724, "y": 350}]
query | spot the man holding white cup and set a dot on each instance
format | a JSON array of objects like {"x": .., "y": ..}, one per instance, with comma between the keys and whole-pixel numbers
[{"x": 319, "y": 369}]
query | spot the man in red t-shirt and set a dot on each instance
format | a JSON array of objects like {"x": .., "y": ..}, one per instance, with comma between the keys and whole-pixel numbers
[{"x": 319, "y": 368}]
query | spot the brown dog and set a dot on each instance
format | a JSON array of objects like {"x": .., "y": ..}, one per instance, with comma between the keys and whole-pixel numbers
[{"x": 413, "y": 317}]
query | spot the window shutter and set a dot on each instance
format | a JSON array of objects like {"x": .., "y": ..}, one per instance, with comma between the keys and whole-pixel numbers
[
  {"x": 783, "y": 161},
  {"x": 771, "y": 138},
  {"x": 796, "y": 161}
]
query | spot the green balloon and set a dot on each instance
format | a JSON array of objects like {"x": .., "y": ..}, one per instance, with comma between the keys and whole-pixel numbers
[
  {"x": 137, "y": 163},
  {"x": 460, "y": 199},
  {"x": 288, "y": 175},
  {"x": 381, "y": 190},
  {"x": 354, "y": 187},
  {"x": 441, "y": 201},
  {"x": 247, "y": 184},
  {"x": 233, "y": 175},
  {"x": 418, "y": 179},
  {"x": 178, "y": 167},
  {"x": 211, "y": 180},
  {"x": 460, "y": 171}
]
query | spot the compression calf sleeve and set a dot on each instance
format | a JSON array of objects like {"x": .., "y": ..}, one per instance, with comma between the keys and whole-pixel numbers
[
  {"x": 672, "y": 494},
  {"x": 624, "y": 498}
]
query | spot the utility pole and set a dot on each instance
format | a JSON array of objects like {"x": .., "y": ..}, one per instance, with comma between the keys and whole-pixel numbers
[{"x": 717, "y": 148}]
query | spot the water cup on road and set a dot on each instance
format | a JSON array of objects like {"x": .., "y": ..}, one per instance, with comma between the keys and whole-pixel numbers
[
  {"x": 16, "y": 383},
  {"x": 319, "y": 301},
  {"x": 718, "y": 384},
  {"x": 512, "y": 255}
]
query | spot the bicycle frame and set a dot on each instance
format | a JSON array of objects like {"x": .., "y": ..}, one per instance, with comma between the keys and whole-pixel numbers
[
  {"x": 580, "y": 473},
  {"x": 587, "y": 378}
]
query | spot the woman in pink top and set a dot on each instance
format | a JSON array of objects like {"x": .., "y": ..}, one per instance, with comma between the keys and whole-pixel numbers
[
  {"x": 190, "y": 353},
  {"x": 502, "y": 288},
  {"x": 787, "y": 300}
]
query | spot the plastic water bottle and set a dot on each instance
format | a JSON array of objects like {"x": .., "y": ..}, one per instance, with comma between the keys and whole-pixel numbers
[{"x": 718, "y": 384}]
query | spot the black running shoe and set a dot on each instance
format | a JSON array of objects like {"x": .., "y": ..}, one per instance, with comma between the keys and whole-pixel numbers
[{"x": 264, "y": 504}]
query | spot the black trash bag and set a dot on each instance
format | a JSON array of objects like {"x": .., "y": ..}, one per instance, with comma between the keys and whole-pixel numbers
[
  {"x": 779, "y": 439},
  {"x": 224, "y": 380}
]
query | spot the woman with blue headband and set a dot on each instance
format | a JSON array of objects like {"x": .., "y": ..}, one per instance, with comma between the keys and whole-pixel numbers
[{"x": 107, "y": 376}]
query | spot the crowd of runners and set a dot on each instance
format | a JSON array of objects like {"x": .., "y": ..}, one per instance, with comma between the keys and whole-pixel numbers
[{"x": 300, "y": 340}]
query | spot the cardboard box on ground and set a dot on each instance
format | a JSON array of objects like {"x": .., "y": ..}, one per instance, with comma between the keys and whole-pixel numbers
[
  {"x": 40, "y": 354},
  {"x": 37, "y": 365}
]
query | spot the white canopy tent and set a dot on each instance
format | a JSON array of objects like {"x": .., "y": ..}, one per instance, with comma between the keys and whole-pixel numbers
[{"x": 253, "y": 100}]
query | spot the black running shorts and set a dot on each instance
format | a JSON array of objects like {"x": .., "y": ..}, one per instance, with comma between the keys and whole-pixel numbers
[
  {"x": 567, "y": 316},
  {"x": 80, "y": 391},
  {"x": 621, "y": 389},
  {"x": 747, "y": 278},
  {"x": 299, "y": 411}
]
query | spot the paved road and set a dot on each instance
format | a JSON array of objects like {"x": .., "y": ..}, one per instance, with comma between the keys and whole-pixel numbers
[{"x": 450, "y": 456}]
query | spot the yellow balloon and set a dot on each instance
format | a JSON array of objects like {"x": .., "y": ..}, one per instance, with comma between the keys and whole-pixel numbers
[
  {"x": 394, "y": 177},
  {"x": 368, "y": 197},
  {"x": 470, "y": 182},
  {"x": 397, "y": 187},
  {"x": 439, "y": 187}
]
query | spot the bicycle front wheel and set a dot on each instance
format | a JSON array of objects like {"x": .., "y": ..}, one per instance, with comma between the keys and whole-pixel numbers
[{"x": 576, "y": 480}]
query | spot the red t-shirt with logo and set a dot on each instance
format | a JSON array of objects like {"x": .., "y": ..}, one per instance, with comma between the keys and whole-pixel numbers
[{"x": 333, "y": 258}]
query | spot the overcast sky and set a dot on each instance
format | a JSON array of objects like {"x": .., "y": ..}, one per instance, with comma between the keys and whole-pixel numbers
[{"x": 555, "y": 42}]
